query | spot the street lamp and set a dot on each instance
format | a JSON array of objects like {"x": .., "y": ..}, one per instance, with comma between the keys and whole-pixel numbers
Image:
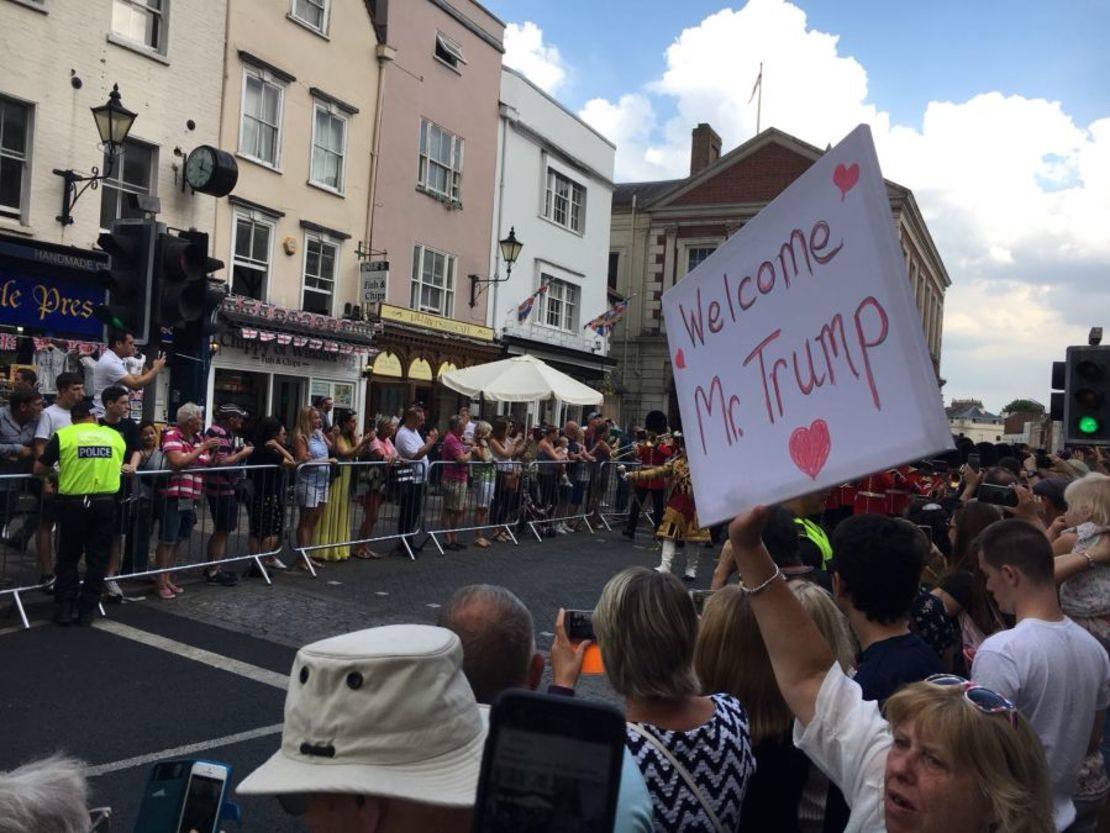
[
  {"x": 510, "y": 251},
  {"x": 113, "y": 123}
]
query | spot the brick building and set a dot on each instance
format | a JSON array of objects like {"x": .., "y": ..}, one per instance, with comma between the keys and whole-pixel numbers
[{"x": 662, "y": 230}]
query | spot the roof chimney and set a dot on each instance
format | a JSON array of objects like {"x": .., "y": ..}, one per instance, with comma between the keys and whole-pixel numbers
[{"x": 705, "y": 148}]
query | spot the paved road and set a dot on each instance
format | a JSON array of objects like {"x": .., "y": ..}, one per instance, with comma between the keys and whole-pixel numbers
[{"x": 204, "y": 675}]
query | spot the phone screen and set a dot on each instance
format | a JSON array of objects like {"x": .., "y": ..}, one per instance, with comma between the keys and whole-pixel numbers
[
  {"x": 579, "y": 625},
  {"x": 203, "y": 799},
  {"x": 161, "y": 806},
  {"x": 973, "y": 462},
  {"x": 550, "y": 764}
]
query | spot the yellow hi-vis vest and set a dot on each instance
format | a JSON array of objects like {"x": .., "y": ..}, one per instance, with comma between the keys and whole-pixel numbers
[
  {"x": 89, "y": 459},
  {"x": 817, "y": 535}
]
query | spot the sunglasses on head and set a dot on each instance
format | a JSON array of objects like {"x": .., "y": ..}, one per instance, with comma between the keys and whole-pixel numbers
[{"x": 984, "y": 699}]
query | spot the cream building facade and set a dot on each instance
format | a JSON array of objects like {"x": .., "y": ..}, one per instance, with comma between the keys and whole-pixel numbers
[
  {"x": 58, "y": 59},
  {"x": 300, "y": 109}
]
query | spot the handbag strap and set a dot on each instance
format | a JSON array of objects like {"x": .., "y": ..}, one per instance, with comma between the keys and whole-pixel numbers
[{"x": 682, "y": 771}]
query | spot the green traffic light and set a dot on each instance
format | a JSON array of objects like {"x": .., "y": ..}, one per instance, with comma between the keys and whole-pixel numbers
[{"x": 1088, "y": 425}]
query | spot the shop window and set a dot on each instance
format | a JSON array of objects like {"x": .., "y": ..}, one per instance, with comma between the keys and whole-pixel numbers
[
  {"x": 260, "y": 133},
  {"x": 321, "y": 263},
  {"x": 560, "y": 305},
  {"x": 250, "y": 259},
  {"x": 564, "y": 201},
  {"x": 441, "y": 159},
  {"x": 141, "y": 22},
  {"x": 433, "y": 281},
  {"x": 132, "y": 173},
  {"x": 342, "y": 394},
  {"x": 312, "y": 13},
  {"x": 15, "y": 132},
  {"x": 329, "y": 145}
]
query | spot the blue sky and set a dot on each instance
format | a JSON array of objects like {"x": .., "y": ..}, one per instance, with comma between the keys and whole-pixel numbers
[
  {"x": 1057, "y": 51},
  {"x": 996, "y": 115}
]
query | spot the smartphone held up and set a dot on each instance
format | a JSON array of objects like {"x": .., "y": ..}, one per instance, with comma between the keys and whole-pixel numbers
[{"x": 550, "y": 764}]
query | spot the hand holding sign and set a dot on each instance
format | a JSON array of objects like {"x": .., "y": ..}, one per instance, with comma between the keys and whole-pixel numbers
[{"x": 797, "y": 349}]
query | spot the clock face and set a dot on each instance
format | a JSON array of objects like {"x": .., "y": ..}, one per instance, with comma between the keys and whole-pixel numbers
[{"x": 200, "y": 166}]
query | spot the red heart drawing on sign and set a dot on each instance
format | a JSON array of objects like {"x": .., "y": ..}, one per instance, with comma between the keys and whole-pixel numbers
[
  {"x": 809, "y": 447},
  {"x": 680, "y": 359},
  {"x": 845, "y": 178}
]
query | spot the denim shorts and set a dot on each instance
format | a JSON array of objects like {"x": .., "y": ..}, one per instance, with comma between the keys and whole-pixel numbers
[{"x": 179, "y": 516}]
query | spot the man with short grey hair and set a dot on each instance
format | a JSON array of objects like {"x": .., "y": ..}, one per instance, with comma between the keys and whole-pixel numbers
[
  {"x": 45, "y": 796},
  {"x": 499, "y": 653}
]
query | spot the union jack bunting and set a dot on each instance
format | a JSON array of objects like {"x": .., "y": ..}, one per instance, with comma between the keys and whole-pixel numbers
[
  {"x": 603, "y": 324},
  {"x": 525, "y": 308}
]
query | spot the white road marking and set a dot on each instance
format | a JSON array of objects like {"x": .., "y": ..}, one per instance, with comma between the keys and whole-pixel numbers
[
  {"x": 182, "y": 751},
  {"x": 214, "y": 660}
]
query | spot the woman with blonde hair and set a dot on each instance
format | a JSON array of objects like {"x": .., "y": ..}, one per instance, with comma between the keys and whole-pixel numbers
[
  {"x": 335, "y": 522},
  {"x": 694, "y": 750},
  {"x": 310, "y": 450},
  {"x": 483, "y": 474},
  {"x": 944, "y": 755},
  {"x": 730, "y": 657}
]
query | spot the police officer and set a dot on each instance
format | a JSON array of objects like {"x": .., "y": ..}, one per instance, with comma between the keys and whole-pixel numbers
[{"x": 89, "y": 458}]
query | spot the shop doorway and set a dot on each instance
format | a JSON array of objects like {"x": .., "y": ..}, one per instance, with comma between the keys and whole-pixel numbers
[{"x": 288, "y": 398}]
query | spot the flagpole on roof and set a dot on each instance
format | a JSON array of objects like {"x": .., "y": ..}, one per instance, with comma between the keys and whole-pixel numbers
[{"x": 757, "y": 90}]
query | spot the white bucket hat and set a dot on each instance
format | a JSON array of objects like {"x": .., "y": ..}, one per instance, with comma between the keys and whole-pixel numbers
[{"x": 383, "y": 711}]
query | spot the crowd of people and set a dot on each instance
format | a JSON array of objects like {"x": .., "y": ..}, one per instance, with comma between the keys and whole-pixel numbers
[
  {"x": 939, "y": 668},
  {"x": 925, "y": 649},
  {"x": 323, "y": 483}
]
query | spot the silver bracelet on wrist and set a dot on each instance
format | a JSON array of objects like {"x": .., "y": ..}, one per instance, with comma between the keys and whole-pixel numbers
[{"x": 751, "y": 591}]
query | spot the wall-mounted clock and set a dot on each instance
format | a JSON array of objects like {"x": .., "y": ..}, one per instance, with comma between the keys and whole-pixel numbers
[{"x": 211, "y": 171}]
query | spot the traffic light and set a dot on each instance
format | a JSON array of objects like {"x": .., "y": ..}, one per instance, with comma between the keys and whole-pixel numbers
[
  {"x": 1086, "y": 411},
  {"x": 181, "y": 277},
  {"x": 130, "y": 246}
]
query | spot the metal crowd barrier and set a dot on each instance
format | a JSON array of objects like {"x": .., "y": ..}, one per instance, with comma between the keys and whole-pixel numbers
[
  {"x": 474, "y": 496},
  {"x": 143, "y": 505},
  {"x": 365, "y": 502}
]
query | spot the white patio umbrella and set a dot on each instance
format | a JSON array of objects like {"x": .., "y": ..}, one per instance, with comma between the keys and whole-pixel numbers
[{"x": 519, "y": 379}]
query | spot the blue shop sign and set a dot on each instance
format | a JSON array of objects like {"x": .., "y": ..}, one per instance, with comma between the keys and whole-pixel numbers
[{"x": 35, "y": 294}]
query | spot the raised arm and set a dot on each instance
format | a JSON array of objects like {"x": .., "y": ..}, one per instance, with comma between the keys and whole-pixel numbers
[{"x": 800, "y": 657}]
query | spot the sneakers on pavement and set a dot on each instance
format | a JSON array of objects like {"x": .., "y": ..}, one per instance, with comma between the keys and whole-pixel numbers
[
  {"x": 113, "y": 591},
  {"x": 221, "y": 577}
]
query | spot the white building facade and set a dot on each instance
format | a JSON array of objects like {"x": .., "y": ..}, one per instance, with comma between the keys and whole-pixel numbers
[{"x": 554, "y": 190}]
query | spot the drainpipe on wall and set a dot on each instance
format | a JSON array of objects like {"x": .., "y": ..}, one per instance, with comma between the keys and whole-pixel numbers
[
  {"x": 509, "y": 115},
  {"x": 385, "y": 54}
]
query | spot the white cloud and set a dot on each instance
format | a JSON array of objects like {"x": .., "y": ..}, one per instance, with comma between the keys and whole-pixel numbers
[
  {"x": 1015, "y": 193},
  {"x": 541, "y": 64}
]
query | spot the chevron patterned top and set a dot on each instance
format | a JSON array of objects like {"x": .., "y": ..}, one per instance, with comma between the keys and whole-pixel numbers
[{"x": 717, "y": 754}]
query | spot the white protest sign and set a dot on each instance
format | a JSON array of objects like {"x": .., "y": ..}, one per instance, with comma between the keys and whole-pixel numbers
[{"x": 797, "y": 349}]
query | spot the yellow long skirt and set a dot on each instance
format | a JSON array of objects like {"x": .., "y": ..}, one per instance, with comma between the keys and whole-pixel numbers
[{"x": 335, "y": 523}]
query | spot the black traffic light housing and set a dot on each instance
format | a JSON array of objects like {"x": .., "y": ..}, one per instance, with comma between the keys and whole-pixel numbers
[
  {"x": 1086, "y": 407},
  {"x": 131, "y": 246},
  {"x": 182, "y": 266}
]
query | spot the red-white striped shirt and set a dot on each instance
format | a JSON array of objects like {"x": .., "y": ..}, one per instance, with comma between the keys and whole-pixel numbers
[{"x": 185, "y": 484}]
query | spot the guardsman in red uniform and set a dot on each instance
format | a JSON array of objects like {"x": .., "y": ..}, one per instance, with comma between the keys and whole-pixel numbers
[
  {"x": 872, "y": 494},
  {"x": 839, "y": 503},
  {"x": 901, "y": 491},
  {"x": 650, "y": 454}
]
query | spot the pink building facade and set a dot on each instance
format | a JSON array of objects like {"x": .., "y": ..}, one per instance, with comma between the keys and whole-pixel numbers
[{"x": 433, "y": 196}]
